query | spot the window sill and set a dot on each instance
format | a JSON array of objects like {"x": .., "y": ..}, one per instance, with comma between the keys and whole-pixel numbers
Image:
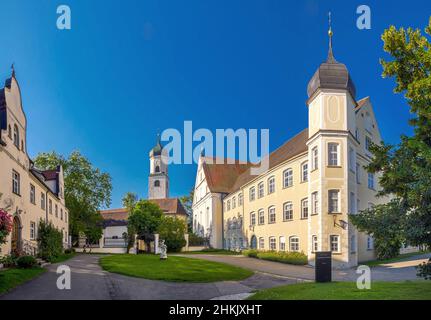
[
  {"x": 287, "y": 220},
  {"x": 337, "y": 213},
  {"x": 287, "y": 187},
  {"x": 17, "y": 194},
  {"x": 314, "y": 170},
  {"x": 329, "y": 166},
  {"x": 314, "y": 214},
  {"x": 336, "y": 253},
  {"x": 302, "y": 218}
]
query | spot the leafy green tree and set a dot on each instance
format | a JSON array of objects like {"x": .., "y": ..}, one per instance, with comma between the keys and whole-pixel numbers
[
  {"x": 129, "y": 202},
  {"x": 172, "y": 230},
  {"x": 406, "y": 168},
  {"x": 145, "y": 219},
  {"x": 187, "y": 202},
  {"x": 49, "y": 240},
  {"x": 87, "y": 190}
]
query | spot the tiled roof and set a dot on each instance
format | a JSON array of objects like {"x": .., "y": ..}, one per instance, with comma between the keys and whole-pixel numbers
[
  {"x": 228, "y": 178},
  {"x": 168, "y": 206},
  {"x": 49, "y": 174}
]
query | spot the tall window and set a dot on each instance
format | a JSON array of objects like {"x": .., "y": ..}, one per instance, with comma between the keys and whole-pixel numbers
[
  {"x": 304, "y": 172},
  {"x": 158, "y": 170},
  {"x": 282, "y": 244},
  {"x": 287, "y": 178},
  {"x": 240, "y": 200},
  {"x": 370, "y": 243},
  {"x": 271, "y": 215},
  {"x": 272, "y": 244},
  {"x": 253, "y": 218},
  {"x": 56, "y": 211},
  {"x": 32, "y": 230},
  {"x": 252, "y": 193},
  {"x": 353, "y": 244},
  {"x": 304, "y": 208},
  {"x": 261, "y": 243},
  {"x": 315, "y": 203},
  {"x": 42, "y": 201},
  {"x": 333, "y": 154},
  {"x": 352, "y": 159},
  {"x": 16, "y": 182},
  {"x": 32, "y": 194},
  {"x": 333, "y": 196},
  {"x": 233, "y": 202},
  {"x": 314, "y": 244},
  {"x": 315, "y": 158},
  {"x": 61, "y": 213},
  {"x": 271, "y": 185},
  {"x": 260, "y": 190},
  {"x": 370, "y": 180},
  {"x": 157, "y": 183},
  {"x": 288, "y": 211},
  {"x": 334, "y": 243},
  {"x": 368, "y": 143},
  {"x": 228, "y": 205},
  {"x": 16, "y": 136},
  {"x": 50, "y": 206},
  {"x": 352, "y": 203},
  {"x": 358, "y": 173},
  {"x": 261, "y": 216},
  {"x": 294, "y": 243}
]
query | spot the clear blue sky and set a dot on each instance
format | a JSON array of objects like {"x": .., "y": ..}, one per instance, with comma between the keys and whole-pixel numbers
[{"x": 130, "y": 68}]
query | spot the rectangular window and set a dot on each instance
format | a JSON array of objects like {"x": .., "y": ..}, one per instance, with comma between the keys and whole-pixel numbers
[
  {"x": 370, "y": 243},
  {"x": 240, "y": 200},
  {"x": 314, "y": 244},
  {"x": 32, "y": 194},
  {"x": 304, "y": 209},
  {"x": 42, "y": 201},
  {"x": 233, "y": 202},
  {"x": 15, "y": 182},
  {"x": 261, "y": 217},
  {"x": 32, "y": 230},
  {"x": 50, "y": 206},
  {"x": 253, "y": 219},
  {"x": 315, "y": 202},
  {"x": 228, "y": 205},
  {"x": 294, "y": 244},
  {"x": 287, "y": 178},
  {"x": 334, "y": 243},
  {"x": 252, "y": 193},
  {"x": 288, "y": 211},
  {"x": 260, "y": 190},
  {"x": 61, "y": 213},
  {"x": 271, "y": 215},
  {"x": 282, "y": 244},
  {"x": 261, "y": 243},
  {"x": 370, "y": 181},
  {"x": 333, "y": 200},
  {"x": 304, "y": 172},
  {"x": 352, "y": 159},
  {"x": 353, "y": 244},
  {"x": 352, "y": 203},
  {"x": 271, "y": 185},
  {"x": 272, "y": 244},
  {"x": 56, "y": 211},
  {"x": 315, "y": 158},
  {"x": 358, "y": 173},
  {"x": 368, "y": 143},
  {"x": 333, "y": 154}
]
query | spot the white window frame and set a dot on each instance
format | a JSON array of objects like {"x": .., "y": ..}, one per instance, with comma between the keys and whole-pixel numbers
[
  {"x": 304, "y": 209},
  {"x": 16, "y": 183},
  {"x": 288, "y": 207},
  {"x": 261, "y": 243},
  {"x": 271, "y": 185},
  {"x": 260, "y": 190},
  {"x": 253, "y": 218},
  {"x": 333, "y": 154},
  {"x": 32, "y": 194},
  {"x": 314, "y": 158},
  {"x": 315, "y": 203},
  {"x": 353, "y": 247},
  {"x": 370, "y": 243},
  {"x": 240, "y": 199},
  {"x": 272, "y": 243},
  {"x": 271, "y": 215},
  {"x": 282, "y": 244},
  {"x": 294, "y": 244},
  {"x": 32, "y": 230},
  {"x": 261, "y": 217},
  {"x": 304, "y": 171},
  {"x": 352, "y": 159},
  {"x": 287, "y": 178},
  {"x": 358, "y": 173},
  {"x": 314, "y": 243},
  {"x": 252, "y": 194},
  {"x": 334, "y": 239},
  {"x": 228, "y": 205},
  {"x": 233, "y": 202},
  {"x": 42, "y": 201},
  {"x": 371, "y": 181},
  {"x": 331, "y": 207}
]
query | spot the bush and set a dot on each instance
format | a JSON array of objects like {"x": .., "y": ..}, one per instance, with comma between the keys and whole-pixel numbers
[
  {"x": 195, "y": 240},
  {"x": 172, "y": 230},
  {"x": 8, "y": 261},
  {"x": 296, "y": 258},
  {"x": 69, "y": 251},
  {"x": 50, "y": 241},
  {"x": 26, "y": 262},
  {"x": 424, "y": 270}
]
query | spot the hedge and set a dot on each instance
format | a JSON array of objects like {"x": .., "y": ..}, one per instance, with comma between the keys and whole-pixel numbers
[{"x": 296, "y": 258}]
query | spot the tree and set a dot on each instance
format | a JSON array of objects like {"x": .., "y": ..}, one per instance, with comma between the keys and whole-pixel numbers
[
  {"x": 145, "y": 219},
  {"x": 187, "y": 202},
  {"x": 87, "y": 190},
  {"x": 129, "y": 202},
  {"x": 172, "y": 230},
  {"x": 406, "y": 168}
]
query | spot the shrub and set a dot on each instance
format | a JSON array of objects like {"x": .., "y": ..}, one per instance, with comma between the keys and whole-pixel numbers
[
  {"x": 9, "y": 260},
  {"x": 172, "y": 230},
  {"x": 69, "y": 251},
  {"x": 424, "y": 270},
  {"x": 195, "y": 240},
  {"x": 296, "y": 258},
  {"x": 5, "y": 225},
  {"x": 50, "y": 241},
  {"x": 26, "y": 262}
]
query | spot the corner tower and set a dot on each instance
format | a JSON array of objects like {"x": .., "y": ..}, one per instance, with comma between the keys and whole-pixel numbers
[{"x": 158, "y": 180}]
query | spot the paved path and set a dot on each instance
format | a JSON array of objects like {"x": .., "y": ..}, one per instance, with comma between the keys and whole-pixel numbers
[
  {"x": 396, "y": 271},
  {"x": 90, "y": 282}
]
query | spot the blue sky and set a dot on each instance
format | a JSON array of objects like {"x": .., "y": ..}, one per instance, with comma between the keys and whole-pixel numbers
[{"x": 129, "y": 69}]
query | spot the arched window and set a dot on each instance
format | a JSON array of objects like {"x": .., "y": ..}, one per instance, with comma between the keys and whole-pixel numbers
[
  {"x": 157, "y": 169},
  {"x": 157, "y": 183},
  {"x": 271, "y": 185},
  {"x": 16, "y": 136},
  {"x": 294, "y": 243}
]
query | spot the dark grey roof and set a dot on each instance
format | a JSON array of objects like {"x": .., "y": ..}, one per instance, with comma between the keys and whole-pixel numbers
[
  {"x": 331, "y": 75},
  {"x": 157, "y": 150}
]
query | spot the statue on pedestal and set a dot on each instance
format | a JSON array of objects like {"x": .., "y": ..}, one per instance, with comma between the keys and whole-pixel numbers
[{"x": 163, "y": 249}]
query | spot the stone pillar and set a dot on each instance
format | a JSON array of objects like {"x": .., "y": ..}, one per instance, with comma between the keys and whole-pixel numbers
[{"x": 156, "y": 243}]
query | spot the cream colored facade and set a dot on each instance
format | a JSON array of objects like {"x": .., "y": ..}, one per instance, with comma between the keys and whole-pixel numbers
[{"x": 30, "y": 195}]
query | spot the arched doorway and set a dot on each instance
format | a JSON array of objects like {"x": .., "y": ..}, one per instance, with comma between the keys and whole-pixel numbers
[
  {"x": 253, "y": 242},
  {"x": 16, "y": 235}
]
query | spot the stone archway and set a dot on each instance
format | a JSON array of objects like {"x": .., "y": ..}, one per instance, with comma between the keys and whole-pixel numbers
[
  {"x": 253, "y": 242},
  {"x": 16, "y": 243}
]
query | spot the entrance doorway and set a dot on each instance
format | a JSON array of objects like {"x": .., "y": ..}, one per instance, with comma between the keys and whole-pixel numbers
[
  {"x": 253, "y": 242},
  {"x": 16, "y": 235}
]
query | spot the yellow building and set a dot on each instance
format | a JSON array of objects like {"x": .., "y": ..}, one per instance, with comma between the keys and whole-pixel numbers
[
  {"x": 314, "y": 181},
  {"x": 28, "y": 194}
]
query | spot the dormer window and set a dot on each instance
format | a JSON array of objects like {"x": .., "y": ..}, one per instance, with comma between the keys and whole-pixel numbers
[{"x": 16, "y": 136}]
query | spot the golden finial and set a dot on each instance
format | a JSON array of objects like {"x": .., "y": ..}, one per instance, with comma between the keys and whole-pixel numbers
[
  {"x": 330, "y": 34},
  {"x": 13, "y": 69}
]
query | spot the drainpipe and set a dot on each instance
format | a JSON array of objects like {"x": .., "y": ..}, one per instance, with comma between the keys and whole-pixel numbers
[
  {"x": 46, "y": 206},
  {"x": 222, "y": 220}
]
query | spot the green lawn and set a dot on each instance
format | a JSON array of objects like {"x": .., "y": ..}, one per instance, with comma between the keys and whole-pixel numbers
[
  {"x": 213, "y": 251},
  {"x": 401, "y": 257},
  {"x": 11, "y": 278},
  {"x": 174, "y": 269},
  {"x": 63, "y": 257},
  {"x": 410, "y": 290}
]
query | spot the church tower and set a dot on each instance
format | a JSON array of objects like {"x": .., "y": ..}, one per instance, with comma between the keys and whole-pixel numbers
[{"x": 158, "y": 181}]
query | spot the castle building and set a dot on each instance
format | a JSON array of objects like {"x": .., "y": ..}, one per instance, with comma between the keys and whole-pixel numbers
[
  {"x": 314, "y": 181},
  {"x": 29, "y": 195}
]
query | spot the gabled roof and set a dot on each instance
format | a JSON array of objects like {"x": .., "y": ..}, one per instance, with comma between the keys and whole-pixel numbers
[
  {"x": 222, "y": 176},
  {"x": 47, "y": 175}
]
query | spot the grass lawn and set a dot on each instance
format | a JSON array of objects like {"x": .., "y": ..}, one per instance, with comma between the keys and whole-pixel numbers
[
  {"x": 63, "y": 257},
  {"x": 401, "y": 257},
  {"x": 174, "y": 269},
  {"x": 213, "y": 251},
  {"x": 410, "y": 290},
  {"x": 11, "y": 278}
]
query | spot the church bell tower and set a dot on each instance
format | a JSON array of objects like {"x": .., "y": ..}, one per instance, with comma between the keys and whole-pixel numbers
[{"x": 158, "y": 180}]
